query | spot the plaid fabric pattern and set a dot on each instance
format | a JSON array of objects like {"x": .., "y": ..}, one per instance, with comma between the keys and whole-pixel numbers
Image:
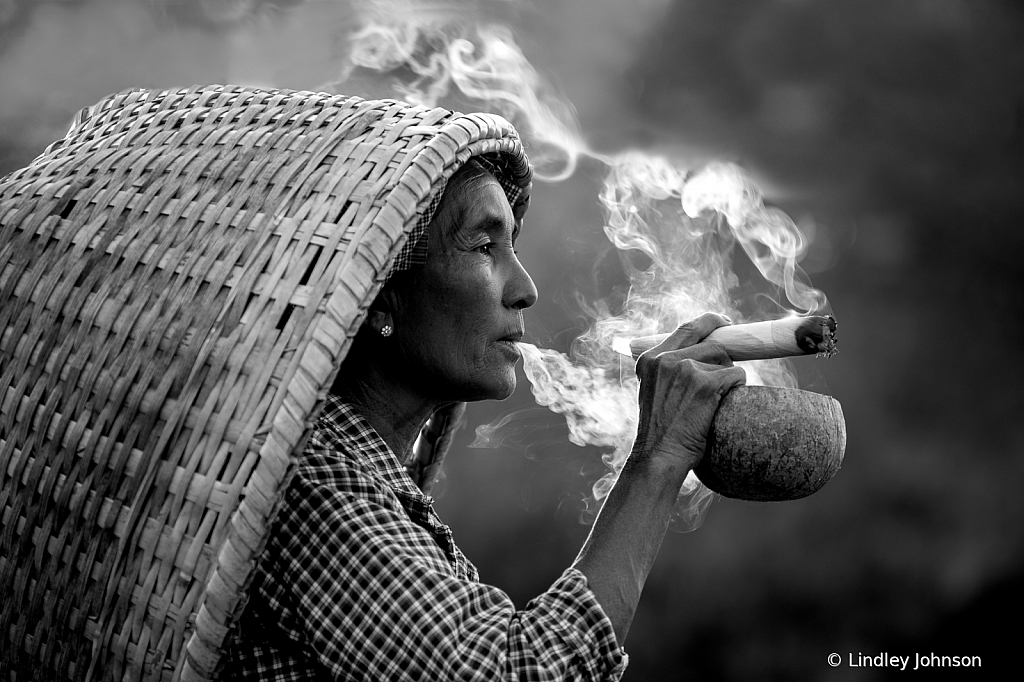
[
  {"x": 414, "y": 252},
  {"x": 362, "y": 581}
]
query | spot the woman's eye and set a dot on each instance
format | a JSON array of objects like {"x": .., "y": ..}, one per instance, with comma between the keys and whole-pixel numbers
[{"x": 485, "y": 249}]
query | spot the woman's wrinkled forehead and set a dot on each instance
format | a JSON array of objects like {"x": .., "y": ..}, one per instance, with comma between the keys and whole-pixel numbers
[
  {"x": 475, "y": 209},
  {"x": 414, "y": 253}
]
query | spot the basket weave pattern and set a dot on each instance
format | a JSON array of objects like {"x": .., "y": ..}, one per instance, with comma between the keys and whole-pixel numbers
[{"x": 180, "y": 278}]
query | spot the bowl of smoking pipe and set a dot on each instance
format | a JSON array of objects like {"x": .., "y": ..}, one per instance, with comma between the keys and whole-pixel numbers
[{"x": 773, "y": 444}]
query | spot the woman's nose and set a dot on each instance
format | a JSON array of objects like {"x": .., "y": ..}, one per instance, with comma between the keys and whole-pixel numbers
[{"x": 521, "y": 291}]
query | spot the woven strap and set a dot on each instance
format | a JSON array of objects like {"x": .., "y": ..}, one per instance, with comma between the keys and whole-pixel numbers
[{"x": 432, "y": 445}]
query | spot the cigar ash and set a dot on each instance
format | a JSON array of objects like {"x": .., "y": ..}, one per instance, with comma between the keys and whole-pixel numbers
[{"x": 818, "y": 336}]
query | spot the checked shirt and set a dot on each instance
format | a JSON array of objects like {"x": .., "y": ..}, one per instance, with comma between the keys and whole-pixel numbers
[{"x": 361, "y": 581}]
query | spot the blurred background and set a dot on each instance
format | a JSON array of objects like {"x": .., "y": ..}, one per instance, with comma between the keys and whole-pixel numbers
[{"x": 892, "y": 131}]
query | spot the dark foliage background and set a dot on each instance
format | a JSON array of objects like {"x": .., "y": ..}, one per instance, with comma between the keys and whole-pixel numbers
[{"x": 893, "y": 130}]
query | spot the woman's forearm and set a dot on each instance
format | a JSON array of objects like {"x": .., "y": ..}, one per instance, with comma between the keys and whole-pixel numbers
[
  {"x": 626, "y": 537},
  {"x": 682, "y": 381}
]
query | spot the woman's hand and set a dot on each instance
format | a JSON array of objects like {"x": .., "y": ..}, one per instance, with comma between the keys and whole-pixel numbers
[{"x": 682, "y": 381}]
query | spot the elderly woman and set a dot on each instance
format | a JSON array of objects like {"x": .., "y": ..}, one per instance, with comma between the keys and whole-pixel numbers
[{"x": 361, "y": 579}]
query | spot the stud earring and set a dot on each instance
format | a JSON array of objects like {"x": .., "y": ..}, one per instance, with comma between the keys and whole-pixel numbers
[{"x": 386, "y": 330}]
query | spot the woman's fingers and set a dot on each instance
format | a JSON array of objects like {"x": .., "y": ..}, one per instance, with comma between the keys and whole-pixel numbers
[
  {"x": 687, "y": 335},
  {"x": 692, "y": 379},
  {"x": 678, "y": 399},
  {"x": 729, "y": 378},
  {"x": 708, "y": 353},
  {"x": 692, "y": 332}
]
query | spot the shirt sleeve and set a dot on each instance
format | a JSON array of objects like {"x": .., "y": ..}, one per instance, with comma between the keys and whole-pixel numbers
[{"x": 376, "y": 598}]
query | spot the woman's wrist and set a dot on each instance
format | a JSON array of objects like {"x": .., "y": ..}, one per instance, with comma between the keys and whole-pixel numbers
[
  {"x": 624, "y": 541},
  {"x": 663, "y": 470}
]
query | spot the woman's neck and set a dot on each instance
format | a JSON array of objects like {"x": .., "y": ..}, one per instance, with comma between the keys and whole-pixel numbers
[{"x": 395, "y": 412}]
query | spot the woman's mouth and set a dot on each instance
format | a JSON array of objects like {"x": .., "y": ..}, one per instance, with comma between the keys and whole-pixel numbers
[
  {"x": 511, "y": 342},
  {"x": 513, "y": 337}
]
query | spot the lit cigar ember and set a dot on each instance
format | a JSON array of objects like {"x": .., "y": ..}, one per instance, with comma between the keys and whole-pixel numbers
[{"x": 789, "y": 337}]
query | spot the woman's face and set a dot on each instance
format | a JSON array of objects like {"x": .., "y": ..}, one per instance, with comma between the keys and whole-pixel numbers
[{"x": 458, "y": 317}]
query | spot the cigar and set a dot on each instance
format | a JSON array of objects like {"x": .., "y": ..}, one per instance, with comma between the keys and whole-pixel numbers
[{"x": 784, "y": 338}]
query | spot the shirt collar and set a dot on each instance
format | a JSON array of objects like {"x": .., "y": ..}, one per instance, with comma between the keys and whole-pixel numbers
[{"x": 344, "y": 423}]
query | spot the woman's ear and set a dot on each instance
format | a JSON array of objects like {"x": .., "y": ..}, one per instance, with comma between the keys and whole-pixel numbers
[
  {"x": 380, "y": 315},
  {"x": 378, "y": 322}
]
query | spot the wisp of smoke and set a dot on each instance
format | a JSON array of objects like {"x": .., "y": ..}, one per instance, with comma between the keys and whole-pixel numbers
[
  {"x": 685, "y": 222},
  {"x": 516, "y": 428},
  {"x": 686, "y": 225},
  {"x": 438, "y": 45}
]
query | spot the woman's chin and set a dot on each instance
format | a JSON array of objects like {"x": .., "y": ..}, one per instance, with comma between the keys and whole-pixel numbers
[
  {"x": 496, "y": 387},
  {"x": 508, "y": 390}
]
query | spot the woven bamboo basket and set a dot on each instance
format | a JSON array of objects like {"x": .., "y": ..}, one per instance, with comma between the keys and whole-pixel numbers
[{"x": 180, "y": 279}]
